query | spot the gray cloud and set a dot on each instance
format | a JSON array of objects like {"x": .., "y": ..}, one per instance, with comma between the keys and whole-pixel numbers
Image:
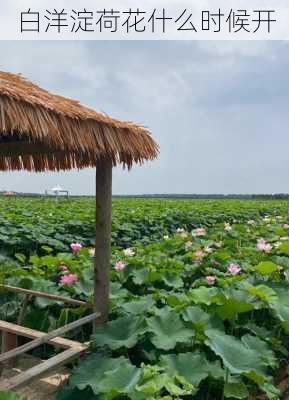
[{"x": 217, "y": 109}]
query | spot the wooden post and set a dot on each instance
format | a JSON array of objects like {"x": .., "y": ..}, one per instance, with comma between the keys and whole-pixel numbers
[
  {"x": 9, "y": 342},
  {"x": 103, "y": 238}
]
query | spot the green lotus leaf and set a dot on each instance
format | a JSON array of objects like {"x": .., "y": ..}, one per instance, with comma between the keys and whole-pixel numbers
[
  {"x": 284, "y": 248},
  {"x": 196, "y": 315},
  {"x": 122, "y": 332},
  {"x": 207, "y": 296},
  {"x": 172, "y": 280},
  {"x": 236, "y": 391},
  {"x": 262, "y": 292},
  {"x": 192, "y": 366},
  {"x": 254, "y": 343},
  {"x": 271, "y": 391},
  {"x": 235, "y": 355},
  {"x": 167, "y": 330},
  {"x": 232, "y": 308},
  {"x": 282, "y": 313},
  {"x": 155, "y": 379},
  {"x": 138, "y": 307},
  {"x": 266, "y": 268},
  {"x": 156, "y": 383},
  {"x": 200, "y": 319},
  {"x": 112, "y": 376},
  {"x": 141, "y": 276}
]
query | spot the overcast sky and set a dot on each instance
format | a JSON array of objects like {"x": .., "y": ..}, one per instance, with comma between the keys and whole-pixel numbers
[{"x": 219, "y": 110}]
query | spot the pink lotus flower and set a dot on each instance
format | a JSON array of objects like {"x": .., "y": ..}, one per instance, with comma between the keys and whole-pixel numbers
[
  {"x": 92, "y": 252},
  {"x": 188, "y": 245},
  {"x": 68, "y": 279},
  {"x": 75, "y": 247},
  {"x": 199, "y": 232},
  {"x": 63, "y": 268},
  {"x": 210, "y": 280},
  {"x": 199, "y": 254},
  {"x": 234, "y": 269},
  {"x": 119, "y": 265},
  {"x": 263, "y": 246},
  {"x": 286, "y": 226}
]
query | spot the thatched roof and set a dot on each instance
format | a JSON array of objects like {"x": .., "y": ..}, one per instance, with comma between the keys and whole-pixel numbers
[{"x": 40, "y": 131}]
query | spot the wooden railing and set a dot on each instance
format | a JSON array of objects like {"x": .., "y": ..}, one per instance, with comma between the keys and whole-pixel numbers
[{"x": 10, "y": 332}]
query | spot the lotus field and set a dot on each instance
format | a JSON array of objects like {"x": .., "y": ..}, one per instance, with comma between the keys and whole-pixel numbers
[{"x": 199, "y": 303}]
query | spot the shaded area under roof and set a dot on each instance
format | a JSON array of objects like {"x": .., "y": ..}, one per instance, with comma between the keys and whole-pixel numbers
[{"x": 40, "y": 131}]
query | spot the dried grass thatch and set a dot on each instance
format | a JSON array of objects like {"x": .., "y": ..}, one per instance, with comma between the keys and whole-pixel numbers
[{"x": 40, "y": 131}]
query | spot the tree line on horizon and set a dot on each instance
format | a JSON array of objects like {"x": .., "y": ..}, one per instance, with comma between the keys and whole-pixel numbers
[{"x": 261, "y": 196}]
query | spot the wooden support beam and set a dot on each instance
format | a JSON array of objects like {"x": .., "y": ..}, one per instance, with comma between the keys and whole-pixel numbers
[
  {"x": 17, "y": 330},
  {"x": 46, "y": 295},
  {"x": 103, "y": 196},
  {"x": 24, "y": 378},
  {"x": 46, "y": 338}
]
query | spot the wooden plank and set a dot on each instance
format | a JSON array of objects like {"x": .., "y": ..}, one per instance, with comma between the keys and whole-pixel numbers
[
  {"x": 103, "y": 238},
  {"x": 47, "y": 337},
  {"x": 32, "y": 334},
  {"x": 26, "y": 377},
  {"x": 46, "y": 295}
]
